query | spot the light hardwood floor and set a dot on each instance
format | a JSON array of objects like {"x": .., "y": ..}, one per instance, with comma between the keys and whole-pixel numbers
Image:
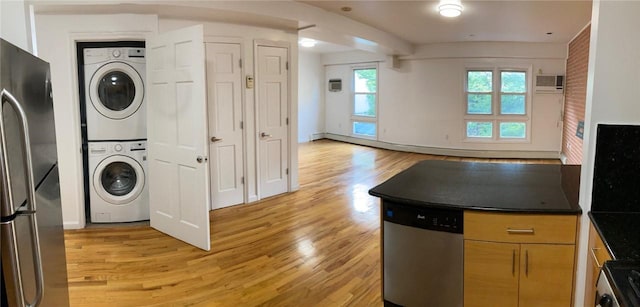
[{"x": 319, "y": 246}]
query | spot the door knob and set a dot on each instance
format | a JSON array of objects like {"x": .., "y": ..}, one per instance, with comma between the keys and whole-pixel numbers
[
  {"x": 264, "y": 135},
  {"x": 215, "y": 139},
  {"x": 201, "y": 159}
]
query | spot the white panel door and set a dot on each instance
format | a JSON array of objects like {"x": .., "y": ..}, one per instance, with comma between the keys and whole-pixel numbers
[
  {"x": 226, "y": 144},
  {"x": 177, "y": 135},
  {"x": 272, "y": 100}
]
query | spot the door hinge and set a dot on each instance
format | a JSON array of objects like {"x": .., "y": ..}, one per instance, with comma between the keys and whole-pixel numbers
[
  {"x": 241, "y": 180},
  {"x": 240, "y": 61},
  {"x": 287, "y": 121},
  {"x": 286, "y": 171},
  {"x": 287, "y": 65},
  {"x": 241, "y": 125}
]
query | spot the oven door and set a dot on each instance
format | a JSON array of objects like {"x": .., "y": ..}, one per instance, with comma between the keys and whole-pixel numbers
[{"x": 604, "y": 293}]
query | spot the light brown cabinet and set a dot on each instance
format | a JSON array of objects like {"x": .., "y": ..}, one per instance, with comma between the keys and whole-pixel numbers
[
  {"x": 598, "y": 254},
  {"x": 516, "y": 260}
]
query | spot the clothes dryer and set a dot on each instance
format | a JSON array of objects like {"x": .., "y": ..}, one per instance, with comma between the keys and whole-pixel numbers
[
  {"x": 115, "y": 93},
  {"x": 118, "y": 183}
]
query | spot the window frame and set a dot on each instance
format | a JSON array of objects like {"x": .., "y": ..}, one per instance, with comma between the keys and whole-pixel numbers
[
  {"x": 353, "y": 118},
  {"x": 496, "y": 117}
]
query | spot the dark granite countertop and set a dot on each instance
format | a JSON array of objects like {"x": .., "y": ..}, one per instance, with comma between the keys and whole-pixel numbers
[
  {"x": 620, "y": 232},
  {"x": 521, "y": 188}
]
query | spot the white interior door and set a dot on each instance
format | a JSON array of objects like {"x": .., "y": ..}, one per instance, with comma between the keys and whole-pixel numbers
[
  {"x": 272, "y": 80},
  {"x": 177, "y": 135},
  {"x": 226, "y": 144}
]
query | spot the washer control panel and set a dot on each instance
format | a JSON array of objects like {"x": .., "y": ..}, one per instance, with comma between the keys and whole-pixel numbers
[
  {"x": 101, "y": 55},
  {"x": 106, "y": 148}
]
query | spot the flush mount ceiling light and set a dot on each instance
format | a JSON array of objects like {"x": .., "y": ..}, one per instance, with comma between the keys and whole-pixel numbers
[
  {"x": 450, "y": 8},
  {"x": 307, "y": 42}
]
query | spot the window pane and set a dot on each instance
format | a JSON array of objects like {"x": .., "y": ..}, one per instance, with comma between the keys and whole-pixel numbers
[
  {"x": 512, "y": 104},
  {"x": 513, "y": 82},
  {"x": 364, "y": 105},
  {"x": 479, "y": 129},
  {"x": 364, "y": 80},
  {"x": 479, "y": 103},
  {"x": 364, "y": 128},
  {"x": 479, "y": 81},
  {"x": 513, "y": 130}
]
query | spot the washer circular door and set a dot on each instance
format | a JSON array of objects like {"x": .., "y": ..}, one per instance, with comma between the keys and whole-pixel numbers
[
  {"x": 118, "y": 179},
  {"x": 116, "y": 90}
]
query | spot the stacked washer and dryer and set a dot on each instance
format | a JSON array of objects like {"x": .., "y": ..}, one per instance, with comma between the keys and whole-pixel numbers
[{"x": 115, "y": 135}]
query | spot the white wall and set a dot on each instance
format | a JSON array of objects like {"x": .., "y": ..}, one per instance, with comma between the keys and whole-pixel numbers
[
  {"x": 310, "y": 96},
  {"x": 613, "y": 93},
  {"x": 15, "y": 23},
  {"x": 56, "y": 37},
  {"x": 422, "y": 103}
]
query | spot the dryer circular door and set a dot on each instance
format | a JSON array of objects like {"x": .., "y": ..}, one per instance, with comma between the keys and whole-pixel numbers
[
  {"x": 118, "y": 179},
  {"x": 116, "y": 90}
]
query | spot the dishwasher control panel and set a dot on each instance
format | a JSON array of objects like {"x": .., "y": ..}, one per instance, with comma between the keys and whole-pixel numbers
[{"x": 438, "y": 219}]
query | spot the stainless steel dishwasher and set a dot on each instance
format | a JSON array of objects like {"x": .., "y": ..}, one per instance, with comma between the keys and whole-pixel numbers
[{"x": 422, "y": 256}]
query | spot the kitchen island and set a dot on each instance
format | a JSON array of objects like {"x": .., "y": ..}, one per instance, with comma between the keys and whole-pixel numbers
[
  {"x": 479, "y": 234},
  {"x": 522, "y": 188}
]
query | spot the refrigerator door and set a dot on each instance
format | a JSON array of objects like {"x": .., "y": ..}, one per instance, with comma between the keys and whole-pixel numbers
[
  {"x": 19, "y": 273},
  {"x": 27, "y": 78}
]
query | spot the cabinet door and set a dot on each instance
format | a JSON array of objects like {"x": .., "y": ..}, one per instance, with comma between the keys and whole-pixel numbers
[
  {"x": 491, "y": 274},
  {"x": 546, "y": 275},
  {"x": 597, "y": 255}
]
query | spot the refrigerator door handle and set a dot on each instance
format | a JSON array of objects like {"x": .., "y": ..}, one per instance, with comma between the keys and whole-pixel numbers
[
  {"x": 6, "y": 96},
  {"x": 11, "y": 260}
]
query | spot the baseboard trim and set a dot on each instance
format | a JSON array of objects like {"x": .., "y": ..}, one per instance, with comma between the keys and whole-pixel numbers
[
  {"x": 507, "y": 154},
  {"x": 73, "y": 225},
  {"x": 317, "y": 136}
]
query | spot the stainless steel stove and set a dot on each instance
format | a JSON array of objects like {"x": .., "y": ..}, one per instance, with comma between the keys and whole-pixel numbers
[{"x": 619, "y": 284}]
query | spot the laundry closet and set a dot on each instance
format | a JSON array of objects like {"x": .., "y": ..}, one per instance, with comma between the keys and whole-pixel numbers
[{"x": 221, "y": 109}]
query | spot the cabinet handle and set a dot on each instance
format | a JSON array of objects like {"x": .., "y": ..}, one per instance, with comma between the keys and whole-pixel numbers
[
  {"x": 520, "y": 231},
  {"x": 595, "y": 258},
  {"x": 513, "y": 263},
  {"x": 526, "y": 262}
]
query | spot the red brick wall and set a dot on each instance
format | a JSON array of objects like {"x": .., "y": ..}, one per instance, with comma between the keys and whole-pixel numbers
[{"x": 575, "y": 95}]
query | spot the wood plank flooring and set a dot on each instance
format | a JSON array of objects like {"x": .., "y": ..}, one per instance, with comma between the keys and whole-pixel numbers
[{"x": 318, "y": 246}]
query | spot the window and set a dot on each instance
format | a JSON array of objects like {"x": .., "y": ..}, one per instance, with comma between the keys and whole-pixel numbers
[
  {"x": 364, "y": 115},
  {"x": 479, "y": 92},
  {"x": 497, "y": 105}
]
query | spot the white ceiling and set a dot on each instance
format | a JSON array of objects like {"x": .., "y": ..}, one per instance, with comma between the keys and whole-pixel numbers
[
  {"x": 324, "y": 47},
  {"x": 418, "y": 22},
  {"x": 390, "y": 27}
]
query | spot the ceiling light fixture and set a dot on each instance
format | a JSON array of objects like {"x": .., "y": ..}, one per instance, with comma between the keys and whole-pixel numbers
[
  {"x": 307, "y": 42},
  {"x": 450, "y": 8}
]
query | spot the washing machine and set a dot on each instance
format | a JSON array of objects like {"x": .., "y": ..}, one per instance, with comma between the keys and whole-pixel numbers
[
  {"x": 115, "y": 93},
  {"x": 118, "y": 183}
]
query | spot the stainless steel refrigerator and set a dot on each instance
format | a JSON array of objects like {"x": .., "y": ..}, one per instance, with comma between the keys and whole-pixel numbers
[{"x": 34, "y": 271}]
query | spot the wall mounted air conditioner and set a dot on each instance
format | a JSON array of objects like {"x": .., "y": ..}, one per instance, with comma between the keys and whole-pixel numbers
[
  {"x": 549, "y": 84},
  {"x": 335, "y": 85}
]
